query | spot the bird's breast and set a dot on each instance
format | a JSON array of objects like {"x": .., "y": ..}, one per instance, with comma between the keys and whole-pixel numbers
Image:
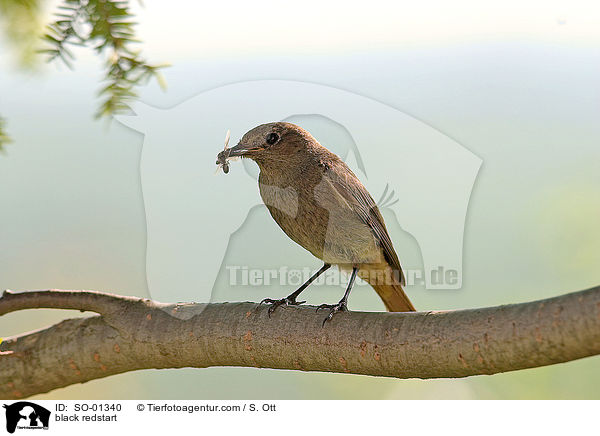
[{"x": 313, "y": 216}]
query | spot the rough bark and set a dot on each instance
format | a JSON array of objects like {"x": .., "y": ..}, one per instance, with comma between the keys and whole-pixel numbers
[{"x": 132, "y": 333}]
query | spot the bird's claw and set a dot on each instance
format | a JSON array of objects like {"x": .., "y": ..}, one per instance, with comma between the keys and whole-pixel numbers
[
  {"x": 287, "y": 301},
  {"x": 333, "y": 309}
]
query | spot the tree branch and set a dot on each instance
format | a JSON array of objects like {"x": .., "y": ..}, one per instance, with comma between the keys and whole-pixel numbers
[{"x": 132, "y": 333}]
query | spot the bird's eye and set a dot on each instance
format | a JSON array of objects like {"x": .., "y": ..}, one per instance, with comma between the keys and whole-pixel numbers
[{"x": 272, "y": 138}]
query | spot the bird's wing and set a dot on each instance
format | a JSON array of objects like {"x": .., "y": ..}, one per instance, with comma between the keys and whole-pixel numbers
[{"x": 358, "y": 198}]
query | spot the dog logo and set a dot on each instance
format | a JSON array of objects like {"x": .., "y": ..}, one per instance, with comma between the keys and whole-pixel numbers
[{"x": 26, "y": 415}]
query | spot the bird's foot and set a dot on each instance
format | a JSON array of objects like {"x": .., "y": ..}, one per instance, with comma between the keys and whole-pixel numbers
[
  {"x": 333, "y": 309},
  {"x": 287, "y": 301}
]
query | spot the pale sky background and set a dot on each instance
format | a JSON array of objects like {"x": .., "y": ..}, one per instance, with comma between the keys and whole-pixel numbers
[
  {"x": 219, "y": 29},
  {"x": 320, "y": 27}
]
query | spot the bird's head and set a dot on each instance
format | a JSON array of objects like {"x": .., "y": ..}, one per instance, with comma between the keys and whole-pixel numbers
[{"x": 272, "y": 142}]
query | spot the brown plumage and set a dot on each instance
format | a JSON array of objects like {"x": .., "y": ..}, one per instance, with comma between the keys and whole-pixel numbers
[{"x": 320, "y": 204}]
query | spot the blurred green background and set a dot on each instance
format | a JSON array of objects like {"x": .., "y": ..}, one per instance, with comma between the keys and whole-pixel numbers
[{"x": 516, "y": 83}]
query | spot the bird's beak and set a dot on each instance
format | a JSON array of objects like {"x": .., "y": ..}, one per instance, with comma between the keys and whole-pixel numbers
[{"x": 238, "y": 150}]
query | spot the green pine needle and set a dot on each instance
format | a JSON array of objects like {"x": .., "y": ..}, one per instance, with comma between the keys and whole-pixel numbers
[{"x": 105, "y": 26}]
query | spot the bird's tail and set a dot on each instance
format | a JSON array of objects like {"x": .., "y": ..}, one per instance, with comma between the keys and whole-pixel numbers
[
  {"x": 394, "y": 298},
  {"x": 390, "y": 291}
]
